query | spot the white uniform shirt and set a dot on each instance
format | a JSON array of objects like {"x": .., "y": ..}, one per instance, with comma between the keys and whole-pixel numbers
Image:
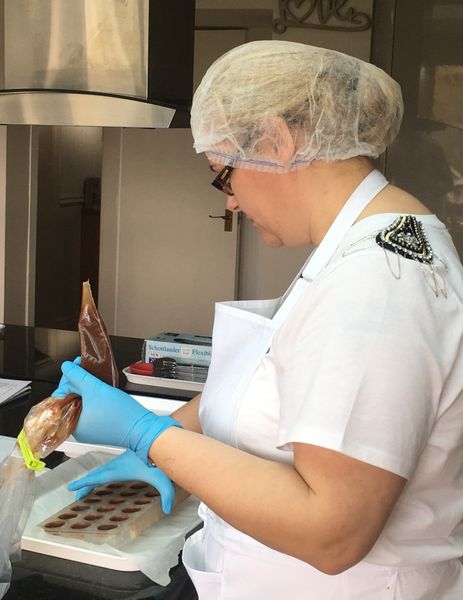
[{"x": 371, "y": 365}]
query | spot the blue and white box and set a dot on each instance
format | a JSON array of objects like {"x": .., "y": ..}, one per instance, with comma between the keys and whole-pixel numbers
[{"x": 186, "y": 348}]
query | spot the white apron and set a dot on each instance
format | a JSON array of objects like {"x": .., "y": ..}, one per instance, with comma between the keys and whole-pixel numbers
[{"x": 224, "y": 563}]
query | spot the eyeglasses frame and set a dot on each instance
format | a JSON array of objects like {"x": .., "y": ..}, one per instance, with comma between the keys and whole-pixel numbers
[{"x": 222, "y": 181}]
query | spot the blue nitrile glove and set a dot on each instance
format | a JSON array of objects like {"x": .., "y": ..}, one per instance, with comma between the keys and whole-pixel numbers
[
  {"x": 126, "y": 467},
  {"x": 63, "y": 386},
  {"x": 109, "y": 415}
]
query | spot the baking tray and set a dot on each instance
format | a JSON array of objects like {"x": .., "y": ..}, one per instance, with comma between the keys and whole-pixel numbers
[{"x": 161, "y": 382}]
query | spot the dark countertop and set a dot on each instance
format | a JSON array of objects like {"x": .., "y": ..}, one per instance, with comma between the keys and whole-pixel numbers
[{"x": 36, "y": 354}]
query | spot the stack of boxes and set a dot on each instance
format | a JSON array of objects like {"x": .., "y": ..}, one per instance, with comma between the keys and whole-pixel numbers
[{"x": 191, "y": 352}]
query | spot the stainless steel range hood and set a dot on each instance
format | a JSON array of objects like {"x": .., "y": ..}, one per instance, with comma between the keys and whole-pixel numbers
[{"x": 113, "y": 63}]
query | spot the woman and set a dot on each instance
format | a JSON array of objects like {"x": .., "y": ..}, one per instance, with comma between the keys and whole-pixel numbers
[{"x": 326, "y": 445}]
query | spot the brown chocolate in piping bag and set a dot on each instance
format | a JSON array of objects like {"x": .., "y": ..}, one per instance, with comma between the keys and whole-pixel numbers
[
  {"x": 51, "y": 421},
  {"x": 95, "y": 347}
]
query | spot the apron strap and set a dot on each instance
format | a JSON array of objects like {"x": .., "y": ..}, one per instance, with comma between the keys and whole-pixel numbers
[
  {"x": 363, "y": 194},
  {"x": 320, "y": 256}
]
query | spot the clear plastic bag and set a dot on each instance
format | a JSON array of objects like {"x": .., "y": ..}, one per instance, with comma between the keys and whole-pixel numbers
[
  {"x": 16, "y": 497},
  {"x": 46, "y": 426},
  {"x": 50, "y": 422}
]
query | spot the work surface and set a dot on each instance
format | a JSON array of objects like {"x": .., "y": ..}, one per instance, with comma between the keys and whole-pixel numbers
[{"x": 36, "y": 354}]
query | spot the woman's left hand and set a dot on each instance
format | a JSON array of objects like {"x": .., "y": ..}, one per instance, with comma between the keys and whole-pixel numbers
[{"x": 126, "y": 467}]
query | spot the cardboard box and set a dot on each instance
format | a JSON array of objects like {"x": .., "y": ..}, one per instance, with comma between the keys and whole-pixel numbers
[{"x": 186, "y": 348}]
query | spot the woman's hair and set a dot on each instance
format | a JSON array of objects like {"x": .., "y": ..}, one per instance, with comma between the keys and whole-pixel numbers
[{"x": 335, "y": 106}]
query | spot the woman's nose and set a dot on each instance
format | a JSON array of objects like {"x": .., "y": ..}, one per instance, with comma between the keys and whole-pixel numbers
[{"x": 232, "y": 204}]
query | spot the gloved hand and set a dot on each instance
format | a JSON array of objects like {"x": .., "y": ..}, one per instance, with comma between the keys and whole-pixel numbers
[
  {"x": 126, "y": 467},
  {"x": 63, "y": 386},
  {"x": 109, "y": 415}
]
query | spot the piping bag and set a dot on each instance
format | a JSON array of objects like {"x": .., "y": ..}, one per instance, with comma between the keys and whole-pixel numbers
[{"x": 45, "y": 427}]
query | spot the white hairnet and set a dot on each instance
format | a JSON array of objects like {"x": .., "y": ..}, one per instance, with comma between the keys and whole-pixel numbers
[{"x": 336, "y": 106}]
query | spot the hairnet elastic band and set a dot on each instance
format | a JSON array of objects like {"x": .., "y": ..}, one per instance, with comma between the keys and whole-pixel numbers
[
  {"x": 30, "y": 459},
  {"x": 260, "y": 163}
]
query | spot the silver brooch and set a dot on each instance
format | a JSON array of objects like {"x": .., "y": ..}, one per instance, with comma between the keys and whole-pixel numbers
[{"x": 406, "y": 236}]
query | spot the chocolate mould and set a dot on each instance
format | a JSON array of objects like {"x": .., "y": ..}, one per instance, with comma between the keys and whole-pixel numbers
[{"x": 114, "y": 513}]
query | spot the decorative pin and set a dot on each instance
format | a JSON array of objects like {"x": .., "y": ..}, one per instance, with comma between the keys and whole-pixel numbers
[{"x": 406, "y": 236}]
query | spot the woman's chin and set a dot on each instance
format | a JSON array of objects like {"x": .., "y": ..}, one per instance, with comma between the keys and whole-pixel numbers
[{"x": 270, "y": 239}]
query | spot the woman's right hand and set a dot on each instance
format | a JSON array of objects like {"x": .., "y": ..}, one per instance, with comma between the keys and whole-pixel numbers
[{"x": 109, "y": 415}]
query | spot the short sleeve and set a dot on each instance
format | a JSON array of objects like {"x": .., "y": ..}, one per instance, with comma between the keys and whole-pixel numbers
[{"x": 357, "y": 365}]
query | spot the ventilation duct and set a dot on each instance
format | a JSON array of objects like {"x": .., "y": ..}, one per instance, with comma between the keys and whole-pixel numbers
[{"x": 108, "y": 63}]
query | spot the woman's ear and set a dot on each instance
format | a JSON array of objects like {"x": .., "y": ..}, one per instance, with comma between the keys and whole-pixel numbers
[{"x": 282, "y": 141}]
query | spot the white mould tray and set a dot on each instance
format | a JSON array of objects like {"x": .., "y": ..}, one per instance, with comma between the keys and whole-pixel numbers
[
  {"x": 109, "y": 558},
  {"x": 154, "y": 552}
]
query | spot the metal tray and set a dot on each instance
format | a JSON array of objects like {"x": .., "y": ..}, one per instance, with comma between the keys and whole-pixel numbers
[{"x": 161, "y": 382}]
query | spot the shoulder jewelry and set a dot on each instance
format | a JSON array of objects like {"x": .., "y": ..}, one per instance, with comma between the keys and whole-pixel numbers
[{"x": 406, "y": 238}]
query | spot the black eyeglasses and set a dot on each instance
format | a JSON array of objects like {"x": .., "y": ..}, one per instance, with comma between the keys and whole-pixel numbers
[{"x": 222, "y": 181}]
